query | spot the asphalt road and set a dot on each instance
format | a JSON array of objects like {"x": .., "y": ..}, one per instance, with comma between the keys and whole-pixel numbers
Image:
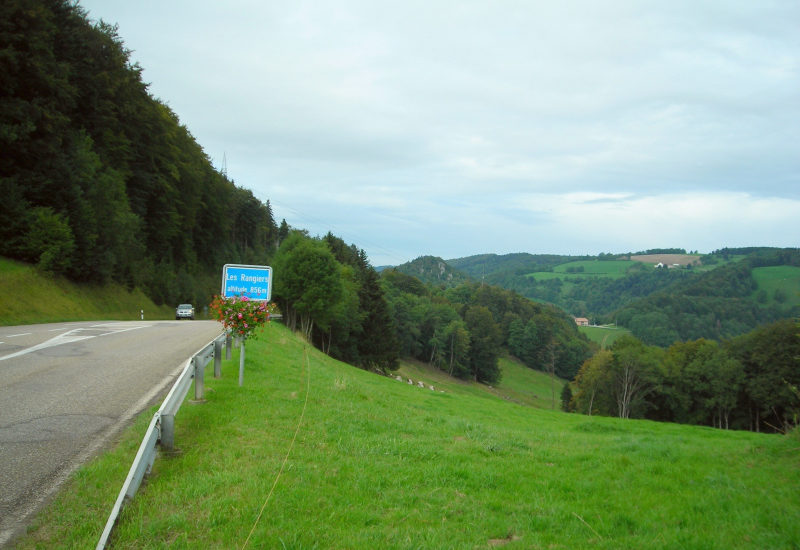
[{"x": 67, "y": 389}]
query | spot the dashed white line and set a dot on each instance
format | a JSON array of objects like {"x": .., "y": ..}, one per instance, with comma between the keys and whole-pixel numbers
[{"x": 15, "y": 335}]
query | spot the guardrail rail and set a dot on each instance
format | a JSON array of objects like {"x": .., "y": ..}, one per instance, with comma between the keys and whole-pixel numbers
[{"x": 162, "y": 426}]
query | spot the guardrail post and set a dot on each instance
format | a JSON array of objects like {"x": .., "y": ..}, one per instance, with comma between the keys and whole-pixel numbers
[
  {"x": 241, "y": 364},
  {"x": 217, "y": 358},
  {"x": 168, "y": 432},
  {"x": 199, "y": 381},
  {"x": 228, "y": 339}
]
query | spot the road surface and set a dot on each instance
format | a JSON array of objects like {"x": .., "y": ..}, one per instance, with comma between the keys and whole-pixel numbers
[{"x": 66, "y": 389}]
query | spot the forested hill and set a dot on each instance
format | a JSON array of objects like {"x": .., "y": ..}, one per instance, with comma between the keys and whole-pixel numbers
[
  {"x": 433, "y": 270},
  {"x": 728, "y": 301},
  {"x": 521, "y": 263},
  {"x": 719, "y": 295},
  {"x": 100, "y": 180}
]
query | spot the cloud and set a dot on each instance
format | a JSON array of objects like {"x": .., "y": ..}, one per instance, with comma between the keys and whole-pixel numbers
[{"x": 459, "y": 128}]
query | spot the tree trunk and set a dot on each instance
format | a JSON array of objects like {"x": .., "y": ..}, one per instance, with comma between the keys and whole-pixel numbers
[
  {"x": 452, "y": 357},
  {"x": 553, "y": 375}
]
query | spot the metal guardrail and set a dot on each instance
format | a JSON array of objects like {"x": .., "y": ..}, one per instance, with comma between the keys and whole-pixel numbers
[{"x": 162, "y": 426}]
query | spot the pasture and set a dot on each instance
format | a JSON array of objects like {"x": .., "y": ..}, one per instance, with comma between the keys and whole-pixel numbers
[
  {"x": 586, "y": 268},
  {"x": 604, "y": 336},
  {"x": 784, "y": 279}
]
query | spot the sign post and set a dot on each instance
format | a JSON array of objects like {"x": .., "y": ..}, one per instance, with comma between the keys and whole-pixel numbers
[{"x": 253, "y": 281}]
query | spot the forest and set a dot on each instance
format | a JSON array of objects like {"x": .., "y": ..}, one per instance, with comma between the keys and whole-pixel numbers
[
  {"x": 463, "y": 329},
  {"x": 100, "y": 180},
  {"x": 749, "y": 382},
  {"x": 717, "y": 304}
]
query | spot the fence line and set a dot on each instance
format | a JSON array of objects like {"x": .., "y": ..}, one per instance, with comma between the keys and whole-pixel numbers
[{"x": 162, "y": 426}]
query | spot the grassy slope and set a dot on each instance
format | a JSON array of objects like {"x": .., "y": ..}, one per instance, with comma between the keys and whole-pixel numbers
[
  {"x": 31, "y": 297},
  {"x": 519, "y": 384},
  {"x": 591, "y": 268},
  {"x": 609, "y": 268},
  {"x": 782, "y": 277},
  {"x": 604, "y": 336},
  {"x": 381, "y": 464}
]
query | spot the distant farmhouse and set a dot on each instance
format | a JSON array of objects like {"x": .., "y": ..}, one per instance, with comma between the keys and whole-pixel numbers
[{"x": 582, "y": 321}]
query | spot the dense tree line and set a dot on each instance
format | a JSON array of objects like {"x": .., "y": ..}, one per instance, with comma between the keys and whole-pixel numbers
[
  {"x": 464, "y": 329},
  {"x": 330, "y": 292},
  {"x": 748, "y": 382},
  {"x": 100, "y": 181}
]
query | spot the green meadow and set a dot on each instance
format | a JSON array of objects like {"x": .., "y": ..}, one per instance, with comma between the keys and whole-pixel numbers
[
  {"x": 519, "y": 384},
  {"x": 313, "y": 453},
  {"x": 783, "y": 278},
  {"x": 604, "y": 336},
  {"x": 590, "y": 268}
]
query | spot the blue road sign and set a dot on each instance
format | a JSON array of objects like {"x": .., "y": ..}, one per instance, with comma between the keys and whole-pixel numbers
[{"x": 253, "y": 281}]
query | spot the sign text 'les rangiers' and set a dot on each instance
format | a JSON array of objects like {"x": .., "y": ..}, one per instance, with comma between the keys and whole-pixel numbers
[{"x": 253, "y": 281}]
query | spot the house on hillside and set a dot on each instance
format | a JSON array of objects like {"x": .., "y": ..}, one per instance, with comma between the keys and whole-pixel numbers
[{"x": 582, "y": 321}]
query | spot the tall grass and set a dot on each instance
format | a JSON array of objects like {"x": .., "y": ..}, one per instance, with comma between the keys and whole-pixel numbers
[{"x": 377, "y": 463}]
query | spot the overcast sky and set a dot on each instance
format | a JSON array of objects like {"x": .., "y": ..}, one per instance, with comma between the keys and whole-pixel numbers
[{"x": 453, "y": 128}]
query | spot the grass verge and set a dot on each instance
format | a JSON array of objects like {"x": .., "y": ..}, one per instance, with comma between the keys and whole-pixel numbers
[{"x": 381, "y": 464}]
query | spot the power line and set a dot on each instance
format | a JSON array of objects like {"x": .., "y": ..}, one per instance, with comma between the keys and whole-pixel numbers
[{"x": 358, "y": 241}]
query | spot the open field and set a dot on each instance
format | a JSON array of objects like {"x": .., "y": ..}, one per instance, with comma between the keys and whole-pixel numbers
[
  {"x": 782, "y": 278},
  {"x": 604, "y": 336},
  {"x": 312, "y": 453},
  {"x": 590, "y": 268},
  {"x": 57, "y": 299}
]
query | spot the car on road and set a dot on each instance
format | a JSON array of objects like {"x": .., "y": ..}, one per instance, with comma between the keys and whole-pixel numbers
[{"x": 184, "y": 311}]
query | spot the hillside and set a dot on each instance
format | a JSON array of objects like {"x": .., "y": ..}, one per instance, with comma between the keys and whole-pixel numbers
[
  {"x": 432, "y": 270},
  {"x": 486, "y": 265},
  {"x": 717, "y": 295},
  {"x": 31, "y": 297},
  {"x": 725, "y": 302},
  {"x": 314, "y": 453},
  {"x": 518, "y": 384}
]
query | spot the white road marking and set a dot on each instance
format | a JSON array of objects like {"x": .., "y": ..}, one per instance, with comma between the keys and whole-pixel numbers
[
  {"x": 65, "y": 338},
  {"x": 70, "y": 337},
  {"x": 15, "y": 335}
]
